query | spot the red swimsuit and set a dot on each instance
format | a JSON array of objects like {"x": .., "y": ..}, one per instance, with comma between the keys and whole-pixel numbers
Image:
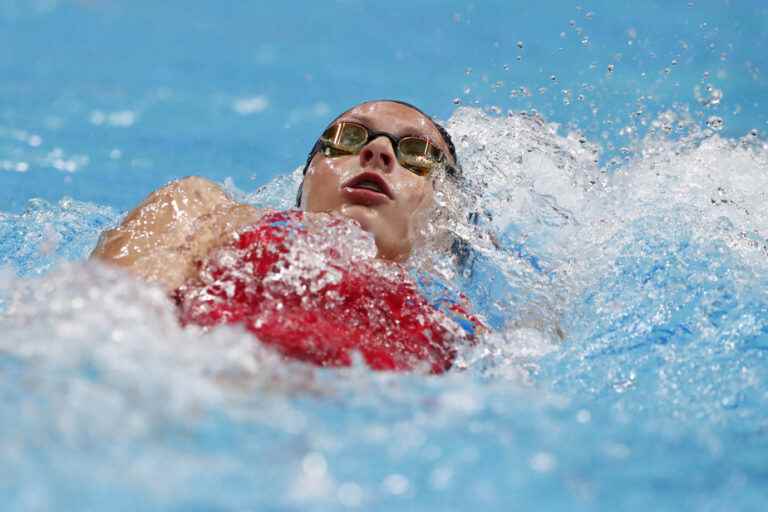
[{"x": 320, "y": 298}]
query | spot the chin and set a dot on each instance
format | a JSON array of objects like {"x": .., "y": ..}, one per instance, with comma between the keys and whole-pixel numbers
[{"x": 366, "y": 216}]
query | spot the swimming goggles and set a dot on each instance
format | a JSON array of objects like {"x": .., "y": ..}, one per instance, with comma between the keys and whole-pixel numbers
[{"x": 416, "y": 154}]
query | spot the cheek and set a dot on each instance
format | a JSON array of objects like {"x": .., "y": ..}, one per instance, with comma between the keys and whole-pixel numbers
[
  {"x": 324, "y": 170},
  {"x": 414, "y": 193},
  {"x": 322, "y": 176},
  {"x": 322, "y": 183}
]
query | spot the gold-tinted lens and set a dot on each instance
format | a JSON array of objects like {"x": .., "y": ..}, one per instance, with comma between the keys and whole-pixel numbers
[
  {"x": 419, "y": 155},
  {"x": 349, "y": 137}
]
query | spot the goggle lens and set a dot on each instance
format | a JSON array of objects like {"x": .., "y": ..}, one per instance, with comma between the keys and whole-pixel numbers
[
  {"x": 417, "y": 155},
  {"x": 346, "y": 137}
]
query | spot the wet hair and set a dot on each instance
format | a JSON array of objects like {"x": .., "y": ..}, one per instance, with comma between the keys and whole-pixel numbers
[{"x": 443, "y": 133}]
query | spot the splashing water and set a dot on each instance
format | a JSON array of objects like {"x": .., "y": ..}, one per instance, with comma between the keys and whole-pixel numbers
[{"x": 628, "y": 353}]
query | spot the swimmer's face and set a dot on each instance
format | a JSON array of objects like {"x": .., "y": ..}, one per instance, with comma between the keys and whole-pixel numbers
[{"x": 371, "y": 187}]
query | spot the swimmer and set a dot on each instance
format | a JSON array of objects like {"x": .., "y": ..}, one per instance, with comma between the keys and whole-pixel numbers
[{"x": 376, "y": 164}]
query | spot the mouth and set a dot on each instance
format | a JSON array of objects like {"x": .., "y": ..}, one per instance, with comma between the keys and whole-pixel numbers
[{"x": 369, "y": 184}]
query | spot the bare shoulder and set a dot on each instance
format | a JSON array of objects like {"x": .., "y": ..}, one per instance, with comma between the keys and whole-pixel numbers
[
  {"x": 189, "y": 195},
  {"x": 174, "y": 226}
]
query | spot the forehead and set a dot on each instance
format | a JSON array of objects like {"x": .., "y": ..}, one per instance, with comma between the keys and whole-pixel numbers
[{"x": 397, "y": 119}]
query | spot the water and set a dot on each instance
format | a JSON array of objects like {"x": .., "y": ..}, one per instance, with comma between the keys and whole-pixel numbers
[{"x": 631, "y": 223}]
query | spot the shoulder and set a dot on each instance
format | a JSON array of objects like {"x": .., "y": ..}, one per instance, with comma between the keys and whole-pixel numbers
[{"x": 189, "y": 192}]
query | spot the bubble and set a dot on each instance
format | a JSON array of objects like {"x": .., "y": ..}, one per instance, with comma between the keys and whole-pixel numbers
[
  {"x": 716, "y": 123},
  {"x": 520, "y": 44},
  {"x": 396, "y": 484},
  {"x": 252, "y": 105},
  {"x": 457, "y": 101},
  {"x": 709, "y": 96},
  {"x": 543, "y": 462},
  {"x": 314, "y": 465},
  {"x": 611, "y": 68}
]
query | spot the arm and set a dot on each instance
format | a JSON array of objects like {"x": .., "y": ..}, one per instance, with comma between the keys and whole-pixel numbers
[{"x": 162, "y": 239}]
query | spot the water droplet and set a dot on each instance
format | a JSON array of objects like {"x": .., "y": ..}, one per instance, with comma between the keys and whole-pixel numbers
[
  {"x": 674, "y": 62},
  {"x": 610, "y": 68},
  {"x": 468, "y": 71},
  {"x": 585, "y": 41},
  {"x": 457, "y": 101},
  {"x": 716, "y": 123},
  {"x": 553, "y": 78},
  {"x": 520, "y": 44},
  {"x": 396, "y": 484},
  {"x": 583, "y": 416},
  {"x": 543, "y": 462},
  {"x": 709, "y": 97},
  {"x": 467, "y": 90}
]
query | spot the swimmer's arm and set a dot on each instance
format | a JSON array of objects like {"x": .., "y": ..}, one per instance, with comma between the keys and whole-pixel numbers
[{"x": 162, "y": 239}]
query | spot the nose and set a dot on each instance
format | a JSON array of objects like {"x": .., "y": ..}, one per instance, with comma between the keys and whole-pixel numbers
[{"x": 378, "y": 154}]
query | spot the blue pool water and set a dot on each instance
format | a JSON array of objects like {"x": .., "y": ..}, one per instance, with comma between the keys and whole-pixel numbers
[{"x": 624, "y": 169}]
